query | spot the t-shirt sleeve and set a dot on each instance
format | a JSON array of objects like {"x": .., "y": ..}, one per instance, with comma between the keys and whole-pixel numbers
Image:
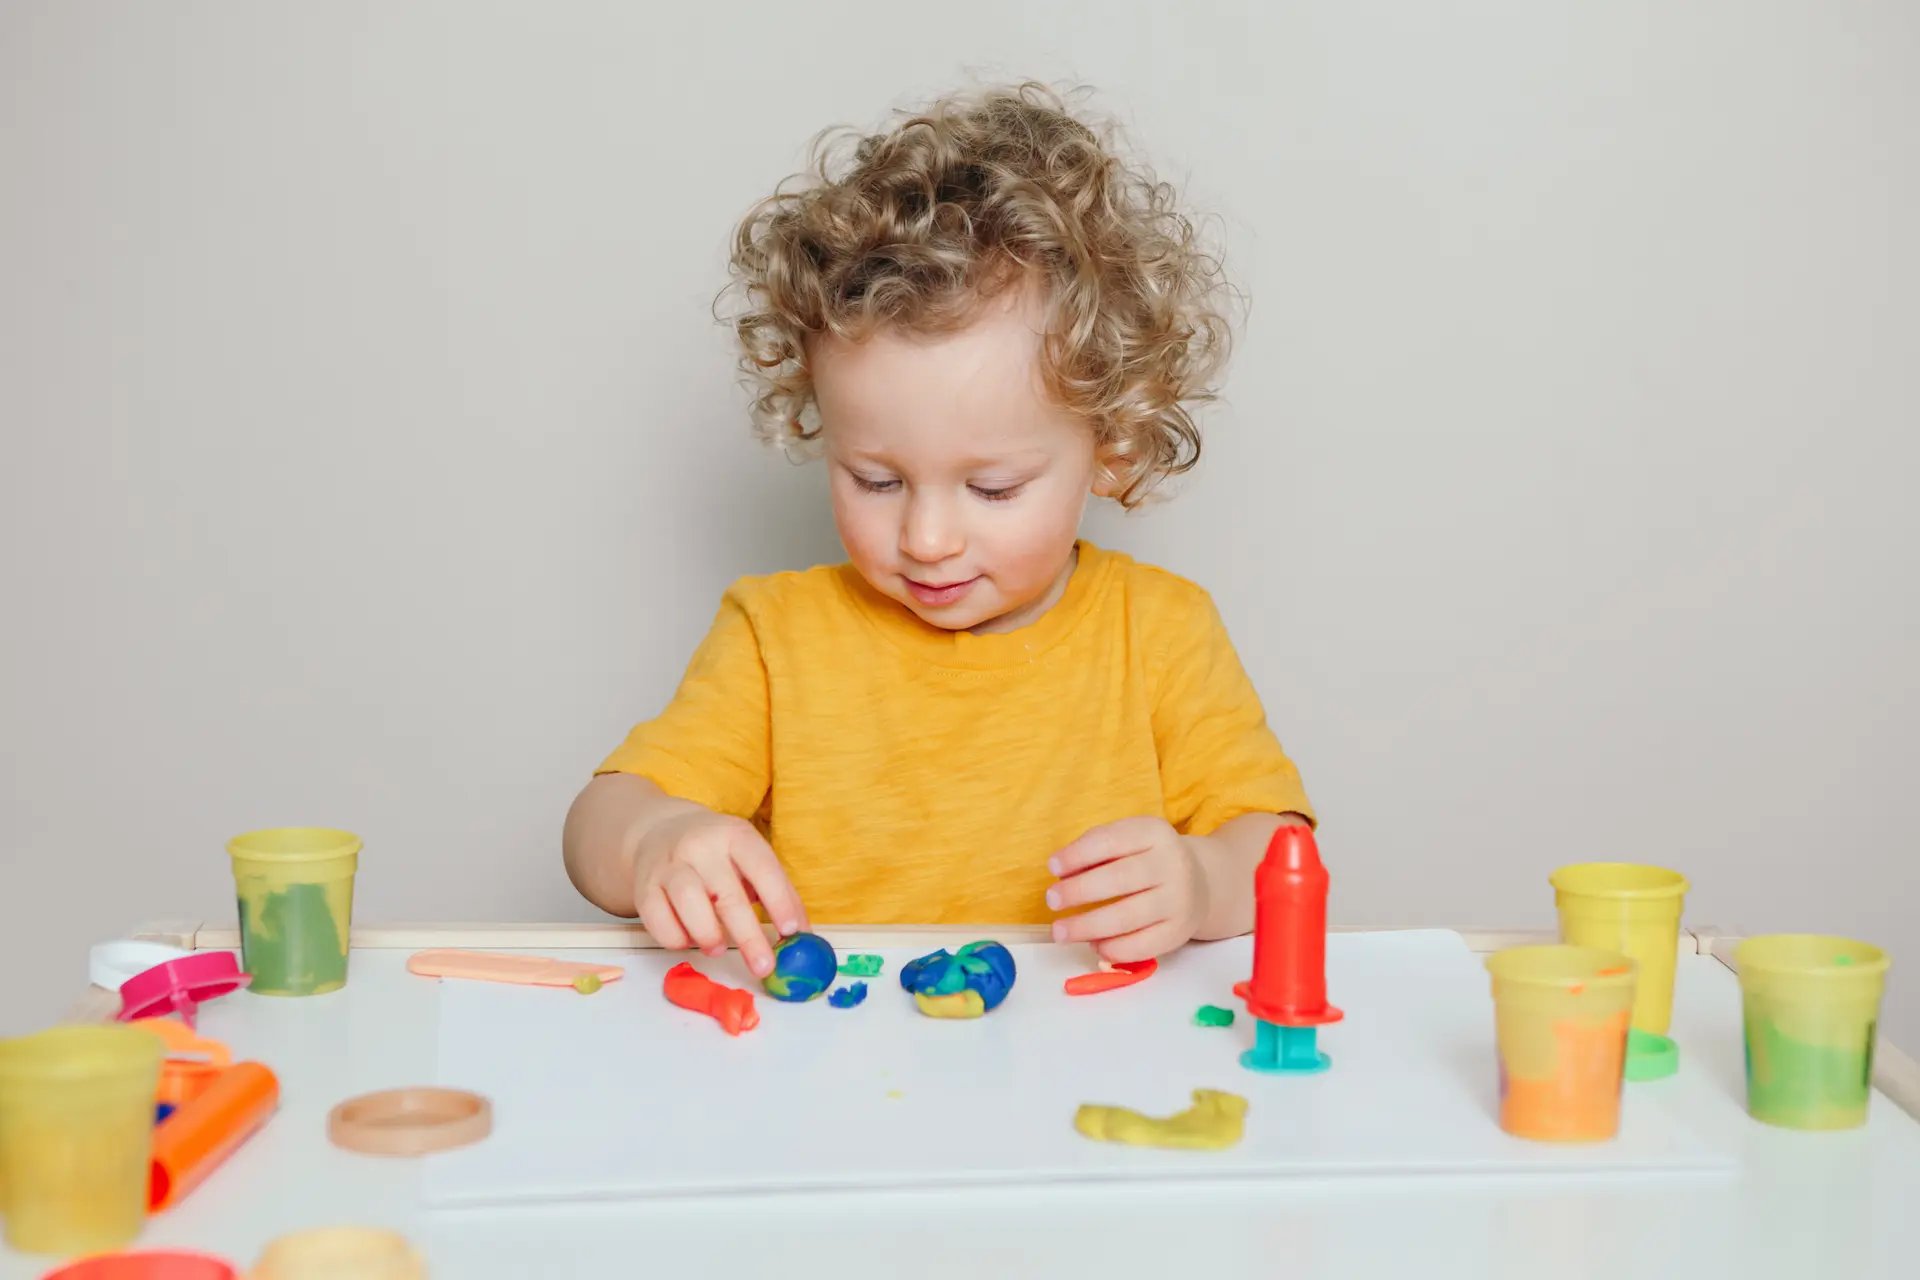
[
  {"x": 710, "y": 744},
  {"x": 1219, "y": 758}
]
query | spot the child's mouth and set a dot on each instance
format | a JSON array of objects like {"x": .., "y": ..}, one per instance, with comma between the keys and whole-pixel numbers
[{"x": 929, "y": 593}]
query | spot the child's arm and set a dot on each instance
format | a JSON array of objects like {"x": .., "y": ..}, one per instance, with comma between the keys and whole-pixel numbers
[
  {"x": 690, "y": 874},
  {"x": 1222, "y": 772},
  {"x": 602, "y": 836},
  {"x": 1227, "y": 860}
]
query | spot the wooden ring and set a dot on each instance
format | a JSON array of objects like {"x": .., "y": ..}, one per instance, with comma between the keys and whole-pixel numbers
[{"x": 409, "y": 1122}]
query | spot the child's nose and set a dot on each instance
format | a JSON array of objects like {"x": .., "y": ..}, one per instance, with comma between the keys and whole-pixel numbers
[{"x": 931, "y": 532}]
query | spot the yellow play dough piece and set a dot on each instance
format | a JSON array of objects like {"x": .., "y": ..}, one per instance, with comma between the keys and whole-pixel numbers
[
  {"x": 1214, "y": 1122},
  {"x": 961, "y": 1004}
]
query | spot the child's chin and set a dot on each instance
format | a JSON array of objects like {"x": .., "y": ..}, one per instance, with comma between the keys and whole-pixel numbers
[{"x": 953, "y": 617}]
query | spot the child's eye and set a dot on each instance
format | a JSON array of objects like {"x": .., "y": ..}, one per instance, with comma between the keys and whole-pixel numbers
[
  {"x": 995, "y": 495},
  {"x": 874, "y": 486}
]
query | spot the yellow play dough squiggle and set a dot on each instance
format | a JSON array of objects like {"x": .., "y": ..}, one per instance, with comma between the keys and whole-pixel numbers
[{"x": 1215, "y": 1121}]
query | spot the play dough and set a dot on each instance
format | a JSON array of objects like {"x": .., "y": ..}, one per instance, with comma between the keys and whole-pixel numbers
[
  {"x": 964, "y": 984},
  {"x": 804, "y": 966},
  {"x": 1214, "y": 1122}
]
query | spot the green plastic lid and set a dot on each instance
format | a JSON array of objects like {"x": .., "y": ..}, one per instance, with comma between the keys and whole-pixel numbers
[{"x": 1650, "y": 1057}]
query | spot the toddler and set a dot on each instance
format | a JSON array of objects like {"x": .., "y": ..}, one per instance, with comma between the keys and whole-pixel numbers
[{"x": 981, "y": 317}]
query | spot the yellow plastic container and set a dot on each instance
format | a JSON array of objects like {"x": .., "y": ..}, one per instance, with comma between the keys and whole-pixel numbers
[
  {"x": 1811, "y": 1005},
  {"x": 76, "y": 1136},
  {"x": 1632, "y": 909},
  {"x": 295, "y": 890},
  {"x": 1560, "y": 1021}
]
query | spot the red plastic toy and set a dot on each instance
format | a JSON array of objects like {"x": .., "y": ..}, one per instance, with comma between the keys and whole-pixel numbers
[
  {"x": 731, "y": 1007},
  {"x": 1288, "y": 990}
]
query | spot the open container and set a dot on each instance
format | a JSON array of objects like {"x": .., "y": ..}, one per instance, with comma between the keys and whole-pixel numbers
[
  {"x": 295, "y": 890},
  {"x": 1560, "y": 1025},
  {"x": 1811, "y": 1005}
]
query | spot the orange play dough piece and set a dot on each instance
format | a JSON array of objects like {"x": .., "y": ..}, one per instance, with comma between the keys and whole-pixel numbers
[
  {"x": 731, "y": 1007},
  {"x": 1124, "y": 974},
  {"x": 494, "y": 966}
]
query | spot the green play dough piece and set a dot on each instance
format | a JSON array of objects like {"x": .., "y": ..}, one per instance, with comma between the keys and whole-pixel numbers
[
  {"x": 861, "y": 966},
  {"x": 587, "y": 983},
  {"x": 1212, "y": 1015}
]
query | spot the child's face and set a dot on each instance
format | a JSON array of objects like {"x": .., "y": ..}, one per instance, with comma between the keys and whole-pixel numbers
[{"x": 957, "y": 485}]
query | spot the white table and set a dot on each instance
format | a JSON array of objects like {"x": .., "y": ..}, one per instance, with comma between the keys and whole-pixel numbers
[{"x": 1844, "y": 1205}]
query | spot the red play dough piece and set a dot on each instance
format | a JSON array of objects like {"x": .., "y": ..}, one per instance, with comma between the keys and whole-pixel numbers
[
  {"x": 731, "y": 1007},
  {"x": 1124, "y": 974}
]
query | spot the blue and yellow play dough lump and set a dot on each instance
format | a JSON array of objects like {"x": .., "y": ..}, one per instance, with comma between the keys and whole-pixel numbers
[
  {"x": 963, "y": 985},
  {"x": 804, "y": 966}
]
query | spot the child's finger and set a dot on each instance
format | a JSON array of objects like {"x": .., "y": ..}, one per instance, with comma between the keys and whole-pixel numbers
[
  {"x": 694, "y": 906},
  {"x": 1137, "y": 911},
  {"x": 1105, "y": 843},
  {"x": 761, "y": 866},
  {"x": 657, "y": 918},
  {"x": 1142, "y": 944},
  {"x": 736, "y": 914},
  {"x": 1114, "y": 879}
]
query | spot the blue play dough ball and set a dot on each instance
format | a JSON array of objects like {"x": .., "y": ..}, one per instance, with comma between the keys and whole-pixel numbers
[
  {"x": 985, "y": 967},
  {"x": 804, "y": 965}
]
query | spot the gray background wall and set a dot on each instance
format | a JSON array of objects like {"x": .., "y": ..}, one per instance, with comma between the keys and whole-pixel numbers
[{"x": 371, "y": 457}]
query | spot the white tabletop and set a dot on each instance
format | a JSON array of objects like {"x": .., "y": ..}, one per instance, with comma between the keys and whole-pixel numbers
[{"x": 1843, "y": 1205}]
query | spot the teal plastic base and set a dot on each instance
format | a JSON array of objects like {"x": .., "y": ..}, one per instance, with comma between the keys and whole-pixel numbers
[{"x": 1285, "y": 1050}]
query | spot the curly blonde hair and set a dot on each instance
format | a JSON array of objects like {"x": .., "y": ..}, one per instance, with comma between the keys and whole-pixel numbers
[{"x": 913, "y": 227}]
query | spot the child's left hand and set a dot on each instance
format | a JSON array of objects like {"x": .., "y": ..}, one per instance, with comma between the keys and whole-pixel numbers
[{"x": 1154, "y": 877}]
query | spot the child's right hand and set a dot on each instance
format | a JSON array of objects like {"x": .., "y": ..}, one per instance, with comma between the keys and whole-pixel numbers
[{"x": 696, "y": 876}]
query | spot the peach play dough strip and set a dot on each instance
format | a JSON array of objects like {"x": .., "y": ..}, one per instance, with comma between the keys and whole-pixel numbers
[{"x": 495, "y": 966}]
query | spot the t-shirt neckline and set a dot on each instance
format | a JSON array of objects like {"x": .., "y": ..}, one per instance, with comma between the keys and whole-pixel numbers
[{"x": 995, "y": 649}]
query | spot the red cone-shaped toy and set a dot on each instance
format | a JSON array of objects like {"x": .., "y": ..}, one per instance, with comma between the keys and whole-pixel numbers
[{"x": 1289, "y": 984}]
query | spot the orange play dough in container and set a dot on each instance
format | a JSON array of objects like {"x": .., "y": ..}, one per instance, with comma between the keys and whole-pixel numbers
[{"x": 1560, "y": 1023}]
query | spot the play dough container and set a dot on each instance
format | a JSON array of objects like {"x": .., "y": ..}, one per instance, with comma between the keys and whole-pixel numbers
[
  {"x": 1560, "y": 1024},
  {"x": 337, "y": 1253},
  {"x": 1632, "y": 909},
  {"x": 1811, "y": 1005},
  {"x": 76, "y": 1134},
  {"x": 295, "y": 886}
]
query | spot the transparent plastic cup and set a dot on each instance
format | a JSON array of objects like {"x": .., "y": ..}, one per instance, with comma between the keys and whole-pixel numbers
[
  {"x": 1632, "y": 909},
  {"x": 76, "y": 1136},
  {"x": 1560, "y": 1023},
  {"x": 295, "y": 890},
  {"x": 1811, "y": 1006}
]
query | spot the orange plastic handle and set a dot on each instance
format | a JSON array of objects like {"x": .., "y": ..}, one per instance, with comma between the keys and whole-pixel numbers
[
  {"x": 190, "y": 1144},
  {"x": 183, "y": 1076}
]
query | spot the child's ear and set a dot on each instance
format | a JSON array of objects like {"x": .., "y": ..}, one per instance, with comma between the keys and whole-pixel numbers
[{"x": 1109, "y": 471}]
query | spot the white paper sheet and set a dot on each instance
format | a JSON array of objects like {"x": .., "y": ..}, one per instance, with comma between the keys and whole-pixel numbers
[{"x": 621, "y": 1094}]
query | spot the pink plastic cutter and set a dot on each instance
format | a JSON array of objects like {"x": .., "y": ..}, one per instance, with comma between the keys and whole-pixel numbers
[{"x": 180, "y": 986}]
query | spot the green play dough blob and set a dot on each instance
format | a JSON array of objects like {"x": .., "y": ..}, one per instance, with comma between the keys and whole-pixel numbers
[
  {"x": 290, "y": 945},
  {"x": 1212, "y": 1015},
  {"x": 1806, "y": 1086}
]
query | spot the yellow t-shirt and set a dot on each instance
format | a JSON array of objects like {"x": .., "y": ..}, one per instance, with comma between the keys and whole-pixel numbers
[{"x": 906, "y": 774}]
